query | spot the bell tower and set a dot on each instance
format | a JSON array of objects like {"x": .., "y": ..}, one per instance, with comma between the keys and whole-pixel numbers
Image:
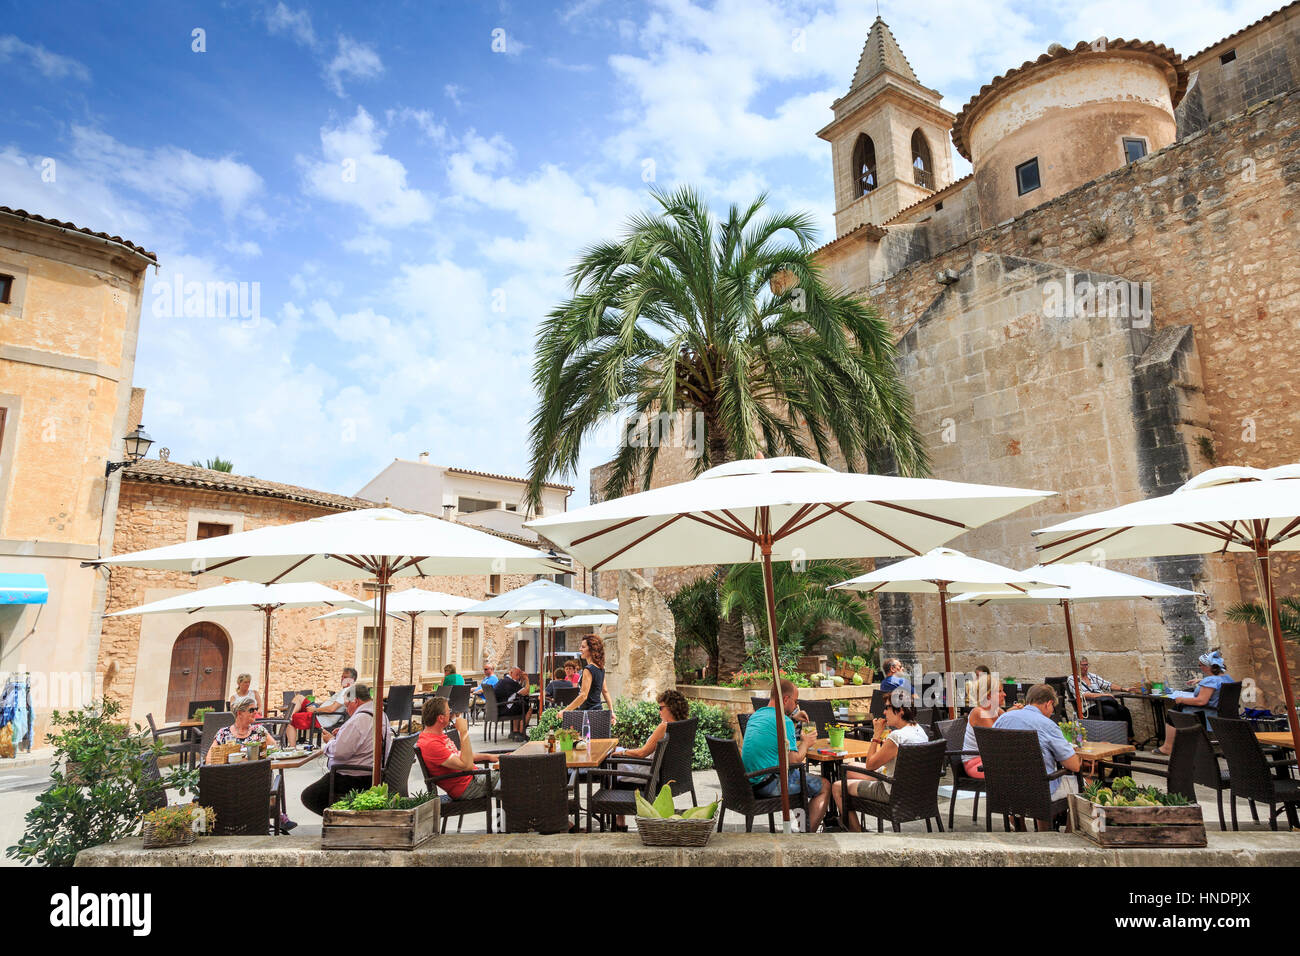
[{"x": 889, "y": 139}]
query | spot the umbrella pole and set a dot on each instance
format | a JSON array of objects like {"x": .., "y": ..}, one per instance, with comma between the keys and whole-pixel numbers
[
  {"x": 266, "y": 663},
  {"x": 782, "y": 745},
  {"x": 1279, "y": 648},
  {"x": 1074, "y": 664},
  {"x": 377, "y": 694},
  {"x": 948, "y": 689},
  {"x": 413, "y": 616}
]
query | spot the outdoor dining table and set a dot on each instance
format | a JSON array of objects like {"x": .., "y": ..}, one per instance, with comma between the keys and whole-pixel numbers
[
  {"x": 291, "y": 763},
  {"x": 1094, "y": 751},
  {"x": 1276, "y": 738},
  {"x": 1159, "y": 703},
  {"x": 831, "y": 761},
  {"x": 575, "y": 760}
]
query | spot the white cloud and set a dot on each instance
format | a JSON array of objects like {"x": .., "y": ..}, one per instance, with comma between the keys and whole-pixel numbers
[
  {"x": 294, "y": 23},
  {"x": 452, "y": 92},
  {"x": 245, "y": 247},
  {"x": 434, "y": 131},
  {"x": 369, "y": 244},
  {"x": 353, "y": 59},
  {"x": 52, "y": 66},
  {"x": 353, "y": 171}
]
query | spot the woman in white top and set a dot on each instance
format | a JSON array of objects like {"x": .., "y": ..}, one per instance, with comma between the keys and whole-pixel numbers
[
  {"x": 982, "y": 715},
  {"x": 900, "y": 723},
  {"x": 244, "y": 688}
]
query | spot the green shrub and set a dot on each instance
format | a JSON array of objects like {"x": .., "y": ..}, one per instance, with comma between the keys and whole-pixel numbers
[
  {"x": 99, "y": 786},
  {"x": 636, "y": 721}
]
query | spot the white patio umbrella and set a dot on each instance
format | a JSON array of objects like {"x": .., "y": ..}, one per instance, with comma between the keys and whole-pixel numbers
[
  {"x": 599, "y": 619},
  {"x": 1232, "y": 509},
  {"x": 943, "y": 571},
  {"x": 1078, "y": 583},
  {"x": 251, "y": 596},
  {"x": 540, "y": 600},
  {"x": 777, "y": 508},
  {"x": 378, "y": 543},
  {"x": 411, "y": 603}
]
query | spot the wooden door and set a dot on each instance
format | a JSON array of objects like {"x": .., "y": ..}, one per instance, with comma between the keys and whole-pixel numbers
[{"x": 198, "y": 671}]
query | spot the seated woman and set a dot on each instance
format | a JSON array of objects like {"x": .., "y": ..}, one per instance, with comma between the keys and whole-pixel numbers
[
  {"x": 984, "y": 714},
  {"x": 672, "y": 706},
  {"x": 243, "y": 730},
  {"x": 1203, "y": 700},
  {"x": 900, "y": 719},
  {"x": 450, "y": 678},
  {"x": 572, "y": 672},
  {"x": 243, "y": 688}
]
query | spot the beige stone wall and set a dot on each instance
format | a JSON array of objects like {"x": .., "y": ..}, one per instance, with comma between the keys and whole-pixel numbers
[
  {"x": 1265, "y": 62},
  {"x": 135, "y": 652}
]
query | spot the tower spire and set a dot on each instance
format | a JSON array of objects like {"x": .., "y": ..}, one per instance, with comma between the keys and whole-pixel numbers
[{"x": 880, "y": 53}]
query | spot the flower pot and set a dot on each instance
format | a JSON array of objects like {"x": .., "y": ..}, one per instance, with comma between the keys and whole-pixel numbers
[
  {"x": 565, "y": 744},
  {"x": 836, "y": 737}
]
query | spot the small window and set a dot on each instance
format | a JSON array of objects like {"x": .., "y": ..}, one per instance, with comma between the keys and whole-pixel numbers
[
  {"x": 6, "y": 289},
  {"x": 212, "y": 529},
  {"x": 1134, "y": 149},
  {"x": 469, "y": 649},
  {"x": 938, "y": 206},
  {"x": 512, "y": 507},
  {"x": 435, "y": 640},
  {"x": 1027, "y": 176},
  {"x": 468, "y": 506},
  {"x": 494, "y": 584},
  {"x": 1228, "y": 57},
  {"x": 369, "y": 653}
]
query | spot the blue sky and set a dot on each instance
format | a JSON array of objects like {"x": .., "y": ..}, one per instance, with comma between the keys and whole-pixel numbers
[{"x": 406, "y": 183}]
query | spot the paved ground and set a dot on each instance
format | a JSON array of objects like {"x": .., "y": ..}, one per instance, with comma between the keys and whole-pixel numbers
[{"x": 20, "y": 785}]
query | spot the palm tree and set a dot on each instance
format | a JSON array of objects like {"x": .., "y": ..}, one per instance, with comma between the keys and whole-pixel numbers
[
  {"x": 1246, "y": 612},
  {"x": 730, "y": 322},
  {"x": 802, "y": 602},
  {"x": 215, "y": 464},
  {"x": 697, "y": 618}
]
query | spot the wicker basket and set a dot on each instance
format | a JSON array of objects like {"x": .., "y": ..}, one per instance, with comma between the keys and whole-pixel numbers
[
  {"x": 659, "y": 832},
  {"x": 152, "y": 841},
  {"x": 221, "y": 751}
]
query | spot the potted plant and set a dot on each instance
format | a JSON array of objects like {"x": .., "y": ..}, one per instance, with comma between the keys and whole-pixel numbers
[
  {"x": 566, "y": 737},
  {"x": 177, "y": 825},
  {"x": 1124, "y": 814},
  {"x": 1074, "y": 732},
  {"x": 835, "y": 735},
  {"x": 377, "y": 819}
]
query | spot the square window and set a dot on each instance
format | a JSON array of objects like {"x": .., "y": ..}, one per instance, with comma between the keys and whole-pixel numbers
[
  {"x": 6, "y": 289},
  {"x": 1134, "y": 149},
  {"x": 1228, "y": 57},
  {"x": 1027, "y": 176},
  {"x": 212, "y": 529}
]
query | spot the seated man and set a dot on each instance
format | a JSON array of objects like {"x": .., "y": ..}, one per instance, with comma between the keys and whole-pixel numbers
[
  {"x": 1096, "y": 702},
  {"x": 760, "y": 751},
  {"x": 489, "y": 679},
  {"x": 512, "y": 697},
  {"x": 326, "y": 715},
  {"x": 355, "y": 745},
  {"x": 558, "y": 682},
  {"x": 441, "y": 756},
  {"x": 1036, "y": 715},
  {"x": 895, "y": 681}
]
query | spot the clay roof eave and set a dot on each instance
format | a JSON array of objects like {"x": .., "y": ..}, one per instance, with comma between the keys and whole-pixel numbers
[
  {"x": 1233, "y": 36},
  {"x": 74, "y": 228}
]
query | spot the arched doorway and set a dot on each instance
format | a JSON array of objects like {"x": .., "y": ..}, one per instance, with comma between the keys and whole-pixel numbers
[{"x": 200, "y": 659}]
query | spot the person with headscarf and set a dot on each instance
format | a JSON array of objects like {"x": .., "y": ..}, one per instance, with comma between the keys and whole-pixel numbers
[{"x": 1204, "y": 699}]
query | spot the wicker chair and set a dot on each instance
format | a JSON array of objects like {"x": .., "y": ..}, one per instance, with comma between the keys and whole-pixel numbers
[
  {"x": 1230, "y": 700},
  {"x": 155, "y": 798},
  {"x": 457, "y": 808},
  {"x": 458, "y": 700},
  {"x": 820, "y": 712},
  {"x": 1179, "y": 772},
  {"x": 185, "y": 749},
  {"x": 217, "y": 704},
  {"x": 1207, "y": 771},
  {"x": 535, "y": 793},
  {"x": 954, "y": 735},
  {"x": 211, "y": 724},
  {"x": 738, "y": 789},
  {"x": 679, "y": 756},
  {"x": 877, "y": 708},
  {"x": 241, "y": 794},
  {"x": 1251, "y": 772},
  {"x": 399, "y": 704},
  {"x": 1061, "y": 686},
  {"x": 913, "y": 790},
  {"x": 564, "y": 696},
  {"x": 760, "y": 702},
  {"x": 443, "y": 690},
  {"x": 928, "y": 718},
  {"x": 611, "y": 800},
  {"x": 1015, "y": 779},
  {"x": 493, "y": 714},
  {"x": 599, "y": 720},
  {"x": 742, "y": 721},
  {"x": 397, "y": 766}
]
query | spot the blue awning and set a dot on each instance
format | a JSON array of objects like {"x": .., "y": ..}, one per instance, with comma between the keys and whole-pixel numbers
[{"x": 23, "y": 589}]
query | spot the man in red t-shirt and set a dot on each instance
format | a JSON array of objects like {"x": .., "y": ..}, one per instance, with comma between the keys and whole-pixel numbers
[{"x": 441, "y": 756}]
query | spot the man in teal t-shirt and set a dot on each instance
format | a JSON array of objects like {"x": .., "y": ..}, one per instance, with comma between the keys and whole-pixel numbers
[{"x": 760, "y": 752}]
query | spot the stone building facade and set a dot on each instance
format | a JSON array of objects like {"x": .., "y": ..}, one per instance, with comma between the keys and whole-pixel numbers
[
  {"x": 1123, "y": 324},
  {"x": 69, "y": 314},
  {"x": 141, "y": 657}
]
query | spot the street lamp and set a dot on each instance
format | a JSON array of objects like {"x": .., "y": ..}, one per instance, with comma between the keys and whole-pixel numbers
[{"x": 136, "y": 445}]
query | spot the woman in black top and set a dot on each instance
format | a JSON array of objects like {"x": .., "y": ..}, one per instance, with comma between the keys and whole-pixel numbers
[{"x": 592, "y": 688}]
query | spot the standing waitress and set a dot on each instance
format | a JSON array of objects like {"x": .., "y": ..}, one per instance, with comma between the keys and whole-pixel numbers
[{"x": 592, "y": 688}]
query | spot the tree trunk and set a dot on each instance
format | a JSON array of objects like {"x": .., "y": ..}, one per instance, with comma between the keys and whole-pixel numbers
[{"x": 731, "y": 643}]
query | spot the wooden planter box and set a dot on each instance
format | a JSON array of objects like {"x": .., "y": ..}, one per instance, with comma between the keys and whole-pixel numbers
[
  {"x": 379, "y": 829},
  {"x": 1137, "y": 826}
]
